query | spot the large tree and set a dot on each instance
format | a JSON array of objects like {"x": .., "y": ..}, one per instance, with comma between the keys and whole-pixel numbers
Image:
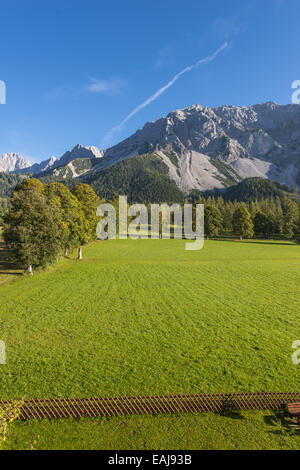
[
  {"x": 263, "y": 225},
  {"x": 72, "y": 217},
  {"x": 242, "y": 223},
  {"x": 89, "y": 202},
  {"x": 32, "y": 228},
  {"x": 290, "y": 217},
  {"x": 212, "y": 221}
]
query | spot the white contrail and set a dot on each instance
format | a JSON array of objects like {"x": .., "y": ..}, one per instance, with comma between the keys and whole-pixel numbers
[{"x": 161, "y": 90}]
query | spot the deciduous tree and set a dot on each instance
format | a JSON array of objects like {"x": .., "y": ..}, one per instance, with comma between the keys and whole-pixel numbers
[
  {"x": 32, "y": 228},
  {"x": 89, "y": 202},
  {"x": 212, "y": 221},
  {"x": 72, "y": 217}
]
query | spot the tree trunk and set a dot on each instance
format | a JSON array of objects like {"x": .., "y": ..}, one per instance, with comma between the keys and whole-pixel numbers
[
  {"x": 66, "y": 252},
  {"x": 241, "y": 238},
  {"x": 29, "y": 270},
  {"x": 80, "y": 252}
]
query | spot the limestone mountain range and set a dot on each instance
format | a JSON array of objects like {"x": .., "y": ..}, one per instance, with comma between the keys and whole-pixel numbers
[{"x": 203, "y": 148}]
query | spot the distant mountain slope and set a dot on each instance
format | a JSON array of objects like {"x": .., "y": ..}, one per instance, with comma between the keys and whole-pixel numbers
[
  {"x": 79, "y": 152},
  {"x": 202, "y": 148},
  {"x": 10, "y": 162},
  {"x": 252, "y": 189},
  {"x": 142, "y": 179},
  {"x": 72, "y": 169},
  {"x": 8, "y": 182},
  {"x": 14, "y": 163},
  {"x": 39, "y": 167},
  {"x": 206, "y": 148}
]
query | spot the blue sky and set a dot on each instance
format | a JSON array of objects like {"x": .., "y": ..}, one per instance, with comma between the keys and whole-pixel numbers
[{"x": 75, "y": 69}]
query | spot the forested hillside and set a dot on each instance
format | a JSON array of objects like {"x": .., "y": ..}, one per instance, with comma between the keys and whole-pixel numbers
[
  {"x": 142, "y": 178},
  {"x": 252, "y": 189},
  {"x": 8, "y": 182}
]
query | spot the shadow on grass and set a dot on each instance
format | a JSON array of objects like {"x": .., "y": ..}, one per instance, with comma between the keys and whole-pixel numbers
[
  {"x": 233, "y": 414},
  {"x": 280, "y": 419}
]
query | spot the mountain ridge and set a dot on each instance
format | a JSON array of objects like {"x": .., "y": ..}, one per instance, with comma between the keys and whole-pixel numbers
[
  {"x": 261, "y": 140},
  {"x": 203, "y": 148},
  {"x": 12, "y": 162}
]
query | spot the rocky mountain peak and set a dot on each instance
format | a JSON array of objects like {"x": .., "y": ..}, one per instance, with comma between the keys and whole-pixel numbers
[
  {"x": 10, "y": 162},
  {"x": 213, "y": 147},
  {"x": 203, "y": 147},
  {"x": 43, "y": 166},
  {"x": 79, "y": 151}
]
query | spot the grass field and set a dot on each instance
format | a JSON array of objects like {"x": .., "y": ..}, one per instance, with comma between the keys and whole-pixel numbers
[
  {"x": 207, "y": 431},
  {"x": 148, "y": 317}
]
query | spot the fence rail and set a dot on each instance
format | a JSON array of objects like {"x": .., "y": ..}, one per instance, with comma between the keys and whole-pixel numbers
[{"x": 157, "y": 404}]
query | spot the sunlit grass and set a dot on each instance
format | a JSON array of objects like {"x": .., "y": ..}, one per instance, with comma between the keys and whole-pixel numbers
[{"x": 148, "y": 317}]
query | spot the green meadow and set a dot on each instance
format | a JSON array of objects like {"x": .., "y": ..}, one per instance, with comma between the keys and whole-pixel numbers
[{"x": 149, "y": 317}]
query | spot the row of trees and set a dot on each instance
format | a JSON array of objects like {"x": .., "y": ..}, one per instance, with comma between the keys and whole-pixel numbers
[
  {"x": 45, "y": 221},
  {"x": 264, "y": 218},
  {"x": 270, "y": 217}
]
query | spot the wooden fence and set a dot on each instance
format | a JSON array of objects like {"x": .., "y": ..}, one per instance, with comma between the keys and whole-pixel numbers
[{"x": 52, "y": 408}]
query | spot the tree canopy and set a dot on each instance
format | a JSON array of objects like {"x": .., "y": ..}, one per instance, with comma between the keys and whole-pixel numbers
[
  {"x": 32, "y": 228},
  {"x": 46, "y": 220}
]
